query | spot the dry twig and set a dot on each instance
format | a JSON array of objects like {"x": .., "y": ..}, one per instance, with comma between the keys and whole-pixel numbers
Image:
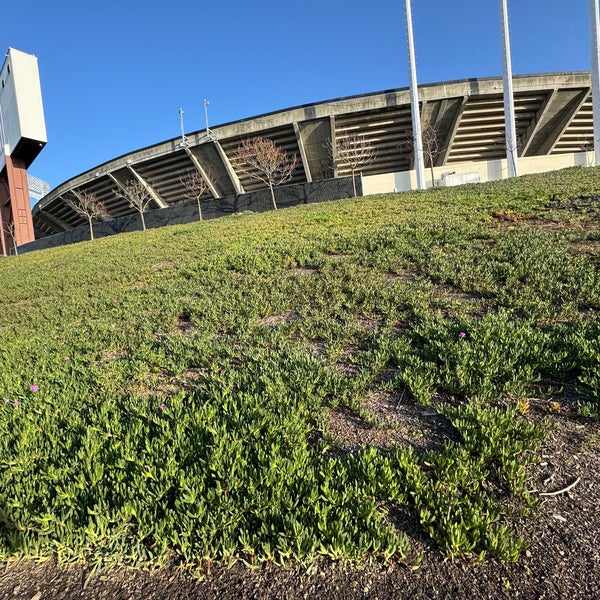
[{"x": 564, "y": 490}]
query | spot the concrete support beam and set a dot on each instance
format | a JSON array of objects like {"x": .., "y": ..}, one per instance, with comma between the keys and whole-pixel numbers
[
  {"x": 541, "y": 116},
  {"x": 54, "y": 221},
  {"x": 429, "y": 112},
  {"x": 454, "y": 122},
  {"x": 203, "y": 172},
  {"x": 563, "y": 119},
  {"x": 118, "y": 183},
  {"x": 316, "y": 137},
  {"x": 157, "y": 199},
  {"x": 303, "y": 156},
  {"x": 239, "y": 189},
  {"x": 105, "y": 217}
]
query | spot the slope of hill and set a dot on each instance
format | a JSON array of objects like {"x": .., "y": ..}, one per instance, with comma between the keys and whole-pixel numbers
[{"x": 392, "y": 379}]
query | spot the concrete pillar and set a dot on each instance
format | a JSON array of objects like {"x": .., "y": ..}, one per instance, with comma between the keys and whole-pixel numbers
[{"x": 16, "y": 205}]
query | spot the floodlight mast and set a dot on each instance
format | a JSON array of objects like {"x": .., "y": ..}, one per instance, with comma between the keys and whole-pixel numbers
[
  {"x": 509, "y": 103},
  {"x": 209, "y": 134},
  {"x": 414, "y": 101},
  {"x": 183, "y": 137},
  {"x": 595, "y": 31}
]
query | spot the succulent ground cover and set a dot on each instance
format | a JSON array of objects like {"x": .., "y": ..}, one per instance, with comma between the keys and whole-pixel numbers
[{"x": 341, "y": 380}]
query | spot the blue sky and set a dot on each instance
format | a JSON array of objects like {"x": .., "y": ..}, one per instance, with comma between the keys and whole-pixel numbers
[{"x": 114, "y": 74}]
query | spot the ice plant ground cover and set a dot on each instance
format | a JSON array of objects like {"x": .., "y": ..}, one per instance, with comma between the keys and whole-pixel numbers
[{"x": 171, "y": 394}]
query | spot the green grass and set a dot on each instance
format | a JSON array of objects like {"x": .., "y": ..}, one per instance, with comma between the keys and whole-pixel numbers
[{"x": 186, "y": 376}]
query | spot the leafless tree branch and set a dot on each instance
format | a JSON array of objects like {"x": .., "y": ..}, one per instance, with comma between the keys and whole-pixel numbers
[
  {"x": 194, "y": 186},
  {"x": 87, "y": 205},
  {"x": 263, "y": 160},
  {"x": 354, "y": 152},
  {"x": 137, "y": 196}
]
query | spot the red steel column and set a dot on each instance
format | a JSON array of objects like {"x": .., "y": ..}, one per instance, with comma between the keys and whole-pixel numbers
[
  {"x": 20, "y": 207},
  {"x": 4, "y": 214}
]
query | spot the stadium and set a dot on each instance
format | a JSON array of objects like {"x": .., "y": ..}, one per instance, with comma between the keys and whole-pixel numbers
[{"x": 465, "y": 119}]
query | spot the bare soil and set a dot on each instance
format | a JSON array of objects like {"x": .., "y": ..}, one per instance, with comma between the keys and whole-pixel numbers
[{"x": 563, "y": 560}]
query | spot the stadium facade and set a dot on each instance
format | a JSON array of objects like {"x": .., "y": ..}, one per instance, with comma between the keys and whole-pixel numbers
[{"x": 463, "y": 126}]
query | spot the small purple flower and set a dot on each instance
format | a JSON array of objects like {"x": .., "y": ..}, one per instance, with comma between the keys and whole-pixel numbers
[
  {"x": 162, "y": 405},
  {"x": 462, "y": 334},
  {"x": 16, "y": 403},
  {"x": 67, "y": 358},
  {"x": 34, "y": 388},
  {"x": 114, "y": 300},
  {"x": 7, "y": 400}
]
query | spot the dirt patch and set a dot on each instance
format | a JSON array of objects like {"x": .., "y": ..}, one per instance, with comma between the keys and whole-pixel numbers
[
  {"x": 405, "y": 277},
  {"x": 391, "y": 419},
  {"x": 114, "y": 354},
  {"x": 184, "y": 326},
  {"x": 274, "y": 320},
  {"x": 368, "y": 324},
  {"x": 165, "y": 385},
  {"x": 163, "y": 264},
  {"x": 162, "y": 386},
  {"x": 454, "y": 294},
  {"x": 318, "y": 347},
  {"x": 302, "y": 271}
]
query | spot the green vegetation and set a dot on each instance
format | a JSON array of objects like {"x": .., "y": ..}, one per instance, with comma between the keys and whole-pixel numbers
[{"x": 168, "y": 394}]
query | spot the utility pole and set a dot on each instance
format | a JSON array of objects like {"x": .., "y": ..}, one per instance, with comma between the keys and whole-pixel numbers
[
  {"x": 509, "y": 103},
  {"x": 595, "y": 31},
  {"x": 414, "y": 101}
]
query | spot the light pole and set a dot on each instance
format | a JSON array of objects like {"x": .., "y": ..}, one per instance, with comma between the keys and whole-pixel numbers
[
  {"x": 509, "y": 103},
  {"x": 209, "y": 134},
  {"x": 414, "y": 101},
  {"x": 183, "y": 138},
  {"x": 595, "y": 31}
]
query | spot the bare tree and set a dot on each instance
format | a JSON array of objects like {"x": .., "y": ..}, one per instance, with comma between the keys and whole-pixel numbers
[
  {"x": 194, "y": 186},
  {"x": 432, "y": 147},
  {"x": 10, "y": 232},
  {"x": 87, "y": 205},
  {"x": 265, "y": 161},
  {"x": 137, "y": 196},
  {"x": 587, "y": 145},
  {"x": 354, "y": 152}
]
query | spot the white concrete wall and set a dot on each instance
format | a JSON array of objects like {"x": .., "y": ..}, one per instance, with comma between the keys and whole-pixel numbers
[{"x": 487, "y": 170}]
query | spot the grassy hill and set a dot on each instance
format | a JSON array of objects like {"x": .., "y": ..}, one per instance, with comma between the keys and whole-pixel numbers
[{"x": 316, "y": 381}]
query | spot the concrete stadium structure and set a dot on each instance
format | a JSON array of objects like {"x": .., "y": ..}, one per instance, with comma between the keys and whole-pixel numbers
[{"x": 554, "y": 124}]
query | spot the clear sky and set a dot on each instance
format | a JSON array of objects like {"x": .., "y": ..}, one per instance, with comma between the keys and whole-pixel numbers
[{"x": 114, "y": 74}]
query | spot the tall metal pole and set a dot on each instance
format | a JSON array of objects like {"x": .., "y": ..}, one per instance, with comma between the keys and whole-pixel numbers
[
  {"x": 509, "y": 103},
  {"x": 414, "y": 101},
  {"x": 208, "y": 132},
  {"x": 595, "y": 30},
  {"x": 183, "y": 138}
]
